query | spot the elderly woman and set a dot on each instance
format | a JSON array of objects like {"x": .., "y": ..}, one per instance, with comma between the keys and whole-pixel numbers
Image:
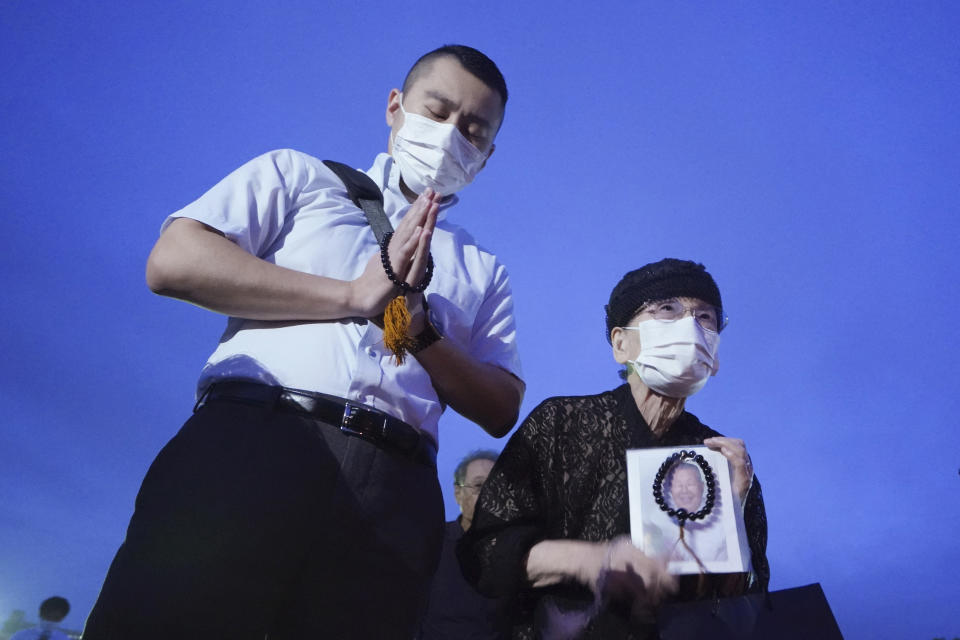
[{"x": 548, "y": 528}]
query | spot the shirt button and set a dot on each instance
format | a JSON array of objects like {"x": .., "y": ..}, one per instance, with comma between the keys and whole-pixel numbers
[{"x": 372, "y": 353}]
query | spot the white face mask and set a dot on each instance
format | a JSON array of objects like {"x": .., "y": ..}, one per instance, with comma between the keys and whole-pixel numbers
[
  {"x": 676, "y": 358},
  {"x": 434, "y": 154}
]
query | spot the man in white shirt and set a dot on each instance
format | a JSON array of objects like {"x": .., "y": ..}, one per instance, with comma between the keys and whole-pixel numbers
[
  {"x": 301, "y": 499},
  {"x": 52, "y": 612}
]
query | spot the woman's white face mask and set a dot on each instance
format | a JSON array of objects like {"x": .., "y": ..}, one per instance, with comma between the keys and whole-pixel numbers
[
  {"x": 435, "y": 155},
  {"x": 676, "y": 358}
]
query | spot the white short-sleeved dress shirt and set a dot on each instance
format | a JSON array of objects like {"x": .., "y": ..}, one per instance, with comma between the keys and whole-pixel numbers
[
  {"x": 37, "y": 632},
  {"x": 288, "y": 208}
]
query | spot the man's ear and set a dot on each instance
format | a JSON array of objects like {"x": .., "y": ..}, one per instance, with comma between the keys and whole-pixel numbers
[{"x": 393, "y": 106}]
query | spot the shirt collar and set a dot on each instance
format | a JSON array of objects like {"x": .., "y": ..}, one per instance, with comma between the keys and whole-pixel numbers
[{"x": 387, "y": 176}]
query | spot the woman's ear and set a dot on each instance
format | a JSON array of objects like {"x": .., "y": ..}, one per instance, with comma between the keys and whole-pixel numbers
[{"x": 625, "y": 344}]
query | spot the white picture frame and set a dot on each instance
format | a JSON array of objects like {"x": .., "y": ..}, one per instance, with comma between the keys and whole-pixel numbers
[{"x": 719, "y": 540}]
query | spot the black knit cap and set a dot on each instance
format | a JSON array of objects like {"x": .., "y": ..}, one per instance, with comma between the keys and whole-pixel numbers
[{"x": 669, "y": 278}]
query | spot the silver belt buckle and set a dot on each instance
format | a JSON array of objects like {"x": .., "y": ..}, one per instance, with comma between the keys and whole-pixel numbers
[
  {"x": 374, "y": 428},
  {"x": 350, "y": 413}
]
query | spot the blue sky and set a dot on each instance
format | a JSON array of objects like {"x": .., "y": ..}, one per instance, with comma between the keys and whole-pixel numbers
[{"x": 806, "y": 152}]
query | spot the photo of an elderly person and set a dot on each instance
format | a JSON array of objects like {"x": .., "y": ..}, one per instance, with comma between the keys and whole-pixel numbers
[
  {"x": 686, "y": 487},
  {"x": 551, "y": 527},
  {"x": 703, "y": 540}
]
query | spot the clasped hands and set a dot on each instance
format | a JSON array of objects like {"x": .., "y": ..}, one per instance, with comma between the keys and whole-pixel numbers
[{"x": 409, "y": 251}]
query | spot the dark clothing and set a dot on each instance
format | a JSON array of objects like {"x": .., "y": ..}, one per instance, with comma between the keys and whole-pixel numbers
[
  {"x": 563, "y": 475},
  {"x": 456, "y": 611},
  {"x": 256, "y": 523}
]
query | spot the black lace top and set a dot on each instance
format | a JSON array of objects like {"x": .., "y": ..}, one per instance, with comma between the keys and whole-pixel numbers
[{"x": 563, "y": 475}]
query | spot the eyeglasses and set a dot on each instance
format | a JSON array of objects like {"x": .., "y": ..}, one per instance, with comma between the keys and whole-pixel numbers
[
  {"x": 473, "y": 488},
  {"x": 672, "y": 310}
]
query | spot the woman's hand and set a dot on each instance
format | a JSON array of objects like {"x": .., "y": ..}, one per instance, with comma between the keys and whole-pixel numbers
[
  {"x": 630, "y": 575},
  {"x": 615, "y": 568},
  {"x": 735, "y": 451}
]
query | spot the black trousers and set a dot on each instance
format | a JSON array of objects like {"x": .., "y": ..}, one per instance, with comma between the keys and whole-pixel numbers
[{"x": 253, "y": 523}]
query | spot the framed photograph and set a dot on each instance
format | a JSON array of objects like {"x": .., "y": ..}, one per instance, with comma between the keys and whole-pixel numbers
[{"x": 691, "y": 485}]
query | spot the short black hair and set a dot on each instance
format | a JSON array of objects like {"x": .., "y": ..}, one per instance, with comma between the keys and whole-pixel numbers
[
  {"x": 54, "y": 609},
  {"x": 474, "y": 61},
  {"x": 460, "y": 473}
]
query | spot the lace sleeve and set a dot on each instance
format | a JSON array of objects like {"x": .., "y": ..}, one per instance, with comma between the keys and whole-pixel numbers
[
  {"x": 755, "y": 519},
  {"x": 510, "y": 516}
]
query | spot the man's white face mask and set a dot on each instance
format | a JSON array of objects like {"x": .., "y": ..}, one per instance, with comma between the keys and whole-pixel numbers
[
  {"x": 435, "y": 155},
  {"x": 676, "y": 357}
]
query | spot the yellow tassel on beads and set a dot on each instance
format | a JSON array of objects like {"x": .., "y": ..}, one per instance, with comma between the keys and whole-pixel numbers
[{"x": 396, "y": 324}]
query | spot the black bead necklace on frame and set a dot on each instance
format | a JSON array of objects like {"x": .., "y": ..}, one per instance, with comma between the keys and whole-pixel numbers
[{"x": 681, "y": 514}]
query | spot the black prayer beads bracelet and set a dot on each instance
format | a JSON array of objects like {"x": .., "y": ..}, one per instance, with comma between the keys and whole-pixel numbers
[
  {"x": 682, "y": 514},
  {"x": 385, "y": 260}
]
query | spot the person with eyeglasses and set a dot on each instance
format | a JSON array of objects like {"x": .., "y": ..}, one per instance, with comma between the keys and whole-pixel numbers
[
  {"x": 551, "y": 527},
  {"x": 456, "y": 609}
]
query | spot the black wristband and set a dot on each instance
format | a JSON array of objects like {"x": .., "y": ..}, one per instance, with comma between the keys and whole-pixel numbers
[
  {"x": 425, "y": 338},
  {"x": 428, "y": 335}
]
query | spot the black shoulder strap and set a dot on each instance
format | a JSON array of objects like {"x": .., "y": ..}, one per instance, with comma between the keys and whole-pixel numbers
[{"x": 365, "y": 194}]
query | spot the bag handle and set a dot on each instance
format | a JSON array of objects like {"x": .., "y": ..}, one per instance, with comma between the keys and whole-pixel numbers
[{"x": 365, "y": 194}]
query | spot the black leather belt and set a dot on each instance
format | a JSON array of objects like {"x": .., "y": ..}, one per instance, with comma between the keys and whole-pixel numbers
[{"x": 379, "y": 428}]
